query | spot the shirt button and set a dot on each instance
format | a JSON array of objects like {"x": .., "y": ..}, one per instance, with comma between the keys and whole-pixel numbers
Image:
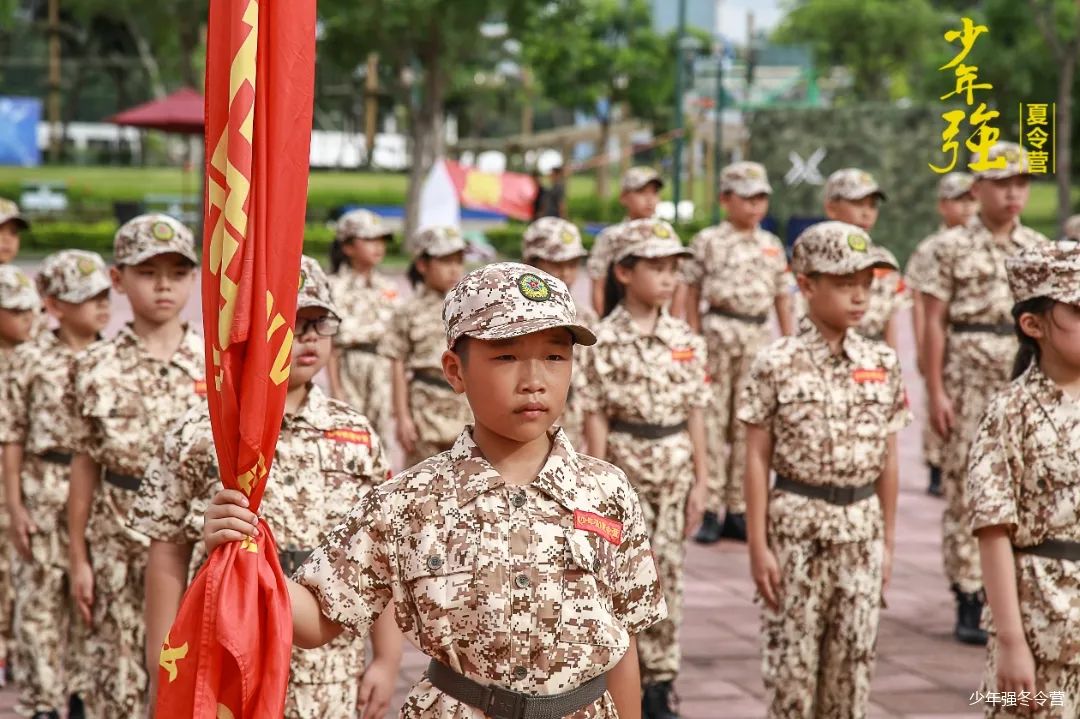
[
  {"x": 595, "y": 566},
  {"x": 520, "y": 672},
  {"x": 163, "y": 371},
  {"x": 434, "y": 562},
  {"x": 518, "y": 500},
  {"x": 521, "y": 581}
]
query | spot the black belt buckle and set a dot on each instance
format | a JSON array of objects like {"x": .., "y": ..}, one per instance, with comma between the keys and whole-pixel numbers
[
  {"x": 502, "y": 704},
  {"x": 840, "y": 495}
]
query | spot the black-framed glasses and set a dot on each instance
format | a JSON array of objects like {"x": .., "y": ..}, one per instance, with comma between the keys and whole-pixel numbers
[{"x": 325, "y": 326}]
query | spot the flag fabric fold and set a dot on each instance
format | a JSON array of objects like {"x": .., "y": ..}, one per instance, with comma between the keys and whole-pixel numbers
[{"x": 227, "y": 654}]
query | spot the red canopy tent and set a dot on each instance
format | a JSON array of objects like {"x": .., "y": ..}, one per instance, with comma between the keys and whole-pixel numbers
[{"x": 182, "y": 112}]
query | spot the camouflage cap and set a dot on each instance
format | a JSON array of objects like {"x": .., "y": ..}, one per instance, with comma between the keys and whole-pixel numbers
[
  {"x": 73, "y": 276},
  {"x": 638, "y": 177},
  {"x": 1016, "y": 162},
  {"x": 9, "y": 212},
  {"x": 648, "y": 239},
  {"x": 16, "y": 290},
  {"x": 836, "y": 248},
  {"x": 314, "y": 287},
  {"x": 438, "y": 241},
  {"x": 954, "y": 185},
  {"x": 508, "y": 299},
  {"x": 851, "y": 183},
  {"x": 745, "y": 179},
  {"x": 552, "y": 239},
  {"x": 361, "y": 224},
  {"x": 1072, "y": 228},
  {"x": 147, "y": 236},
  {"x": 1049, "y": 269}
]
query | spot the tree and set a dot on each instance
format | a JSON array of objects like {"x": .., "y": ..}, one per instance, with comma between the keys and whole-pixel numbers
[
  {"x": 1059, "y": 23},
  {"x": 881, "y": 42},
  {"x": 592, "y": 55},
  {"x": 420, "y": 43}
]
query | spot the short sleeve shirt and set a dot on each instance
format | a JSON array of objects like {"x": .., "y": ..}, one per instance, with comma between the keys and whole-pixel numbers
[
  {"x": 742, "y": 272},
  {"x": 39, "y": 412},
  {"x": 830, "y": 417},
  {"x": 367, "y": 307},
  {"x": 534, "y": 588},
  {"x": 416, "y": 335}
]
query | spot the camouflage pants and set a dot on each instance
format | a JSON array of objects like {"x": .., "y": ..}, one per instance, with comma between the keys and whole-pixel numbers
[
  {"x": 43, "y": 610},
  {"x": 336, "y": 700},
  {"x": 972, "y": 381},
  {"x": 933, "y": 446},
  {"x": 1049, "y": 677},
  {"x": 115, "y": 648},
  {"x": 732, "y": 346},
  {"x": 324, "y": 682},
  {"x": 365, "y": 383},
  {"x": 662, "y": 472},
  {"x": 439, "y": 415},
  {"x": 7, "y": 594},
  {"x": 818, "y": 648}
]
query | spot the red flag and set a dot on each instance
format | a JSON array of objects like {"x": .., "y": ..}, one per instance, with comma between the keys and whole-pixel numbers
[{"x": 227, "y": 655}]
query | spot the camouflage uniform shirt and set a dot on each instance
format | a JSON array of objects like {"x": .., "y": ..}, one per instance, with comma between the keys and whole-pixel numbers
[
  {"x": 1022, "y": 475},
  {"x": 126, "y": 400},
  {"x": 367, "y": 307},
  {"x": 536, "y": 588},
  {"x": 647, "y": 379},
  {"x": 327, "y": 458},
  {"x": 416, "y": 335},
  {"x": 829, "y": 416},
  {"x": 920, "y": 264},
  {"x": 742, "y": 272}
]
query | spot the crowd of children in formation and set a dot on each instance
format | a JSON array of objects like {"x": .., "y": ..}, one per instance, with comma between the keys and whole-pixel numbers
[{"x": 558, "y": 456}]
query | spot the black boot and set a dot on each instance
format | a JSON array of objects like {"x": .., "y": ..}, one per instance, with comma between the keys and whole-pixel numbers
[
  {"x": 709, "y": 531},
  {"x": 656, "y": 701},
  {"x": 969, "y": 607},
  {"x": 935, "y": 490},
  {"x": 734, "y": 526},
  {"x": 75, "y": 707}
]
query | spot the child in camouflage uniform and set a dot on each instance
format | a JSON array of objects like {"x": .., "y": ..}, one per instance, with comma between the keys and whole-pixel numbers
[
  {"x": 644, "y": 398},
  {"x": 554, "y": 245},
  {"x": 640, "y": 194},
  {"x": 428, "y": 413},
  {"x": 521, "y": 567},
  {"x": 1023, "y": 495},
  {"x": 853, "y": 196},
  {"x": 327, "y": 458},
  {"x": 823, "y": 409},
  {"x": 970, "y": 343},
  {"x": 12, "y": 223},
  {"x": 19, "y": 304},
  {"x": 358, "y": 374},
  {"x": 957, "y": 206},
  {"x": 741, "y": 272},
  {"x": 37, "y": 433},
  {"x": 129, "y": 390}
]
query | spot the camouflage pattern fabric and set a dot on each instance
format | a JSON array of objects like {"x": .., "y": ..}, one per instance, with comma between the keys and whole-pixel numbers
[
  {"x": 314, "y": 287},
  {"x": 535, "y": 588},
  {"x": 147, "y": 236},
  {"x": 439, "y": 241},
  {"x": 553, "y": 239},
  {"x": 1016, "y": 162},
  {"x": 1049, "y": 269},
  {"x": 636, "y": 178},
  {"x": 9, "y": 211},
  {"x": 1022, "y": 476},
  {"x": 327, "y": 458},
  {"x": 969, "y": 275},
  {"x": 745, "y": 179},
  {"x": 603, "y": 251},
  {"x": 837, "y": 248},
  {"x": 742, "y": 273},
  {"x": 361, "y": 224},
  {"x": 16, "y": 290},
  {"x": 1057, "y": 687},
  {"x": 648, "y": 239},
  {"x": 851, "y": 183},
  {"x": 367, "y": 310},
  {"x": 573, "y": 416},
  {"x": 126, "y": 400},
  {"x": 830, "y": 417},
  {"x": 954, "y": 185},
  {"x": 652, "y": 379},
  {"x": 73, "y": 276}
]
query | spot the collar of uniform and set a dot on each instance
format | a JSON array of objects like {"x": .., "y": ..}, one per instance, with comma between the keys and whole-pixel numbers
[
  {"x": 353, "y": 277},
  {"x": 314, "y": 410},
  {"x": 188, "y": 355},
  {"x": 853, "y": 346},
  {"x": 976, "y": 228},
  {"x": 1045, "y": 393},
  {"x": 628, "y": 331},
  {"x": 476, "y": 475}
]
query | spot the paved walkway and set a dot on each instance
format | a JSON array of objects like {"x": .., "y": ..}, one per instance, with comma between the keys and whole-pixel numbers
[{"x": 921, "y": 672}]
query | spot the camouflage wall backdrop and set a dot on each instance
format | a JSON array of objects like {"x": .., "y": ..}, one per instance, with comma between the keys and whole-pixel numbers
[{"x": 894, "y": 145}]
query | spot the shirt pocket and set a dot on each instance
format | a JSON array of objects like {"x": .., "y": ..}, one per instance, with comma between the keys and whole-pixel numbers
[
  {"x": 870, "y": 410},
  {"x": 587, "y": 615},
  {"x": 119, "y": 416},
  {"x": 440, "y": 581},
  {"x": 799, "y": 403},
  {"x": 344, "y": 462},
  {"x": 1047, "y": 593}
]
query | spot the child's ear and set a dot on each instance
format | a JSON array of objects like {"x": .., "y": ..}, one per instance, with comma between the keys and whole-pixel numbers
[
  {"x": 806, "y": 286},
  {"x": 51, "y": 306},
  {"x": 115, "y": 276},
  {"x": 622, "y": 274},
  {"x": 1032, "y": 326},
  {"x": 453, "y": 368}
]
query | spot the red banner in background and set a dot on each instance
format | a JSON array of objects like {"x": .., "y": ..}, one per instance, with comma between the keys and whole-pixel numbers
[
  {"x": 508, "y": 193},
  {"x": 227, "y": 655}
]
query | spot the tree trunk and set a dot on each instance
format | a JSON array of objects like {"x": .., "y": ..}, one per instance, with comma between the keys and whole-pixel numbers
[
  {"x": 1063, "y": 140},
  {"x": 428, "y": 138},
  {"x": 149, "y": 62}
]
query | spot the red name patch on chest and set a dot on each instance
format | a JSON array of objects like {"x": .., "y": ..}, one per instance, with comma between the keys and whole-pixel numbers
[
  {"x": 683, "y": 355},
  {"x": 771, "y": 251},
  {"x": 352, "y": 436},
  {"x": 609, "y": 529},
  {"x": 200, "y": 387},
  {"x": 877, "y": 374},
  {"x": 880, "y": 272}
]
